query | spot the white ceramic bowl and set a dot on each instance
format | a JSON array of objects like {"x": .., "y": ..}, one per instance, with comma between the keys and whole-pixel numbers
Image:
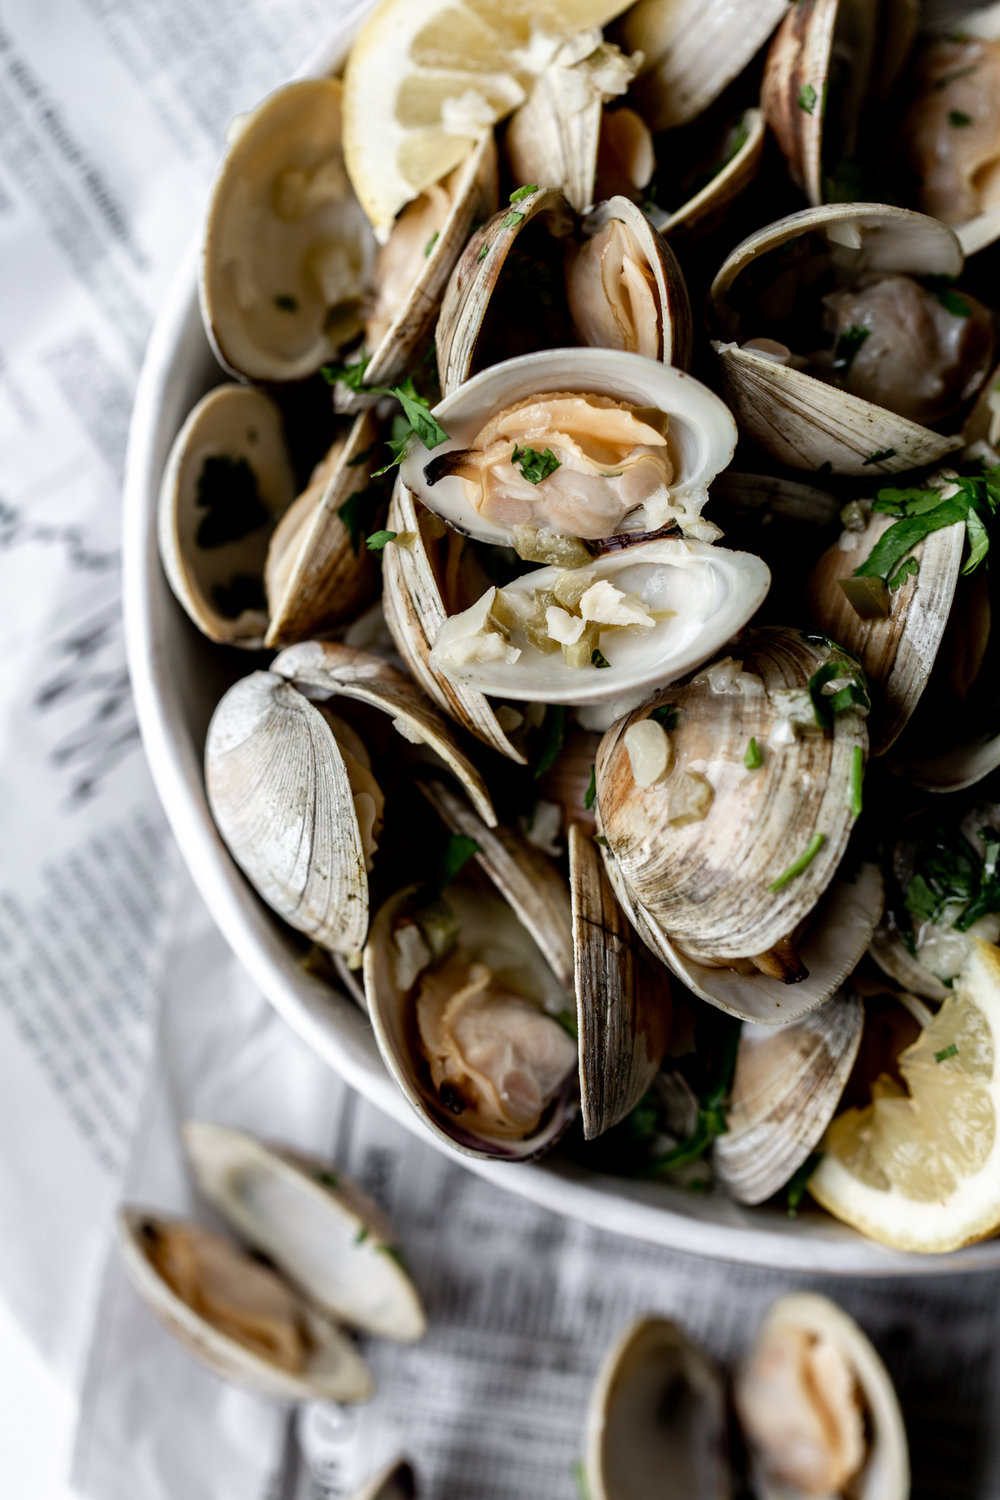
[{"x": 178, "y": 677}]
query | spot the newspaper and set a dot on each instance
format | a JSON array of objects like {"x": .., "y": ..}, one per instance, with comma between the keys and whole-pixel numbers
[{"x": 121, "y": 1010}]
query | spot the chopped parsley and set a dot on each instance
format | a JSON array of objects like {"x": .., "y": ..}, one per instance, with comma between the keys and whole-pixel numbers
[
  {"x": 567, "y": 1020},
  {"x": 378, "y": 539},
  {"x": 361, "y": 1235},
  {"x": 908, "y": 569},
  {"x": 355, "y": 510},
  {"x": 599, "y": 838},
  {"x": 286, "y": 303},
  {"x": 553, "y": 730},
  {"x": 590, "y": 794},
  {"x": 848, "y": 344},
  {"x": 394, "y": 1253},
  {"x": 328, "y": 1179},
  {"x": 431, "y": 243},
  {"x": 943, "y": 288},
  {"x": 798, "y": 1182},
  {"x": 853, "y": 694},
  {"x": 879, "y": 457},
  {"x": 857, "y": 781},
  {"x": 946, "y": 1052},
  {"x": 949, "y": 869},
  {"x": 533, "y": 465},
  {"x": 753, "y": 759},
  {"x": 484, "y": 251},
  {"x": 227, "y": 493},
  {"x": 958, "y": 118},
  {"x": 808, "y": 98},
  {"x": 921, "y": 511},
  {"x": 416, "y": 408},
  {"x": 800, "y": 865},
  {"x": 711, "y": 1120},
  {"x": 598, "y": 659},
  {"x": 458, "y": 851},
  {"x": 512, "y": 220},
  {"x": 666, "y": 716},
  {"x": 519, "y": 194},
  {"x": 737, "y": 139}
]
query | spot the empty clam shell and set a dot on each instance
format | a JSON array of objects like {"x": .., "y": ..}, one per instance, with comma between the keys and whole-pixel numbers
[
  {"x": 692, "y": 50},
  {"x": 415, "y": 609},
  {"x": 227, "y": 481},
  {"x": 701, "y": 434},
  {"x": 787, "y": 1085},
  {"x": 325, "y": 1365},
  {"x": 288, "y": 252},
  {"x": 657, "y": 1413},
  {"x": 327, "y": 1236},
  {"x": 813, "y": 1374},
  {"x": 622, "y": 1002},
  {"x": 706, "y": 208},
  {"x": 473, "y": 1110}
]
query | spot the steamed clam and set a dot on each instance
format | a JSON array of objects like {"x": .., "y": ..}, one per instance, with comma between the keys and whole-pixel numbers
[
  {"x": 825, "y": 316},
  {"x": 324, "y": 1256}
]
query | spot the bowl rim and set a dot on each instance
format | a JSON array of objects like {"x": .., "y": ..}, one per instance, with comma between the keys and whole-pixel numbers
[{"x": 812, "y": 1244}]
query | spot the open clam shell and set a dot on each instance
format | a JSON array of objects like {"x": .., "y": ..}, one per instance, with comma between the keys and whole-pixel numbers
[
  {"x": 786, "y": 1088},
  {"x": 333, "y": 1370},
  {"x": 692, "y": 50},
  {"x": 330, "y": 1240},
  {"x": 227, "y": 481},
  {"x": 706, "y": 208},
  {"x": 803, "y": 1335},
  {"x": 832, "y": 945},
  {"x": 419, "y": 240},
  {"x": 726, "y": 860},
  {"x": 657, "y": 1412},
  {"x": 288, "y": 251},
  {"x": 701, "y": 434},
  {"x": 699, "y": 596},
  {"x": 413, "y": 580},
  {"x": 316, "y": 578},
  {"x": 490, "y": 934},
  {"x": 622, "y": 1002},
  {"x": 897, "y": 652},
  {"x": 474, "y": 281},
  {"x": 793, "y": 415}
]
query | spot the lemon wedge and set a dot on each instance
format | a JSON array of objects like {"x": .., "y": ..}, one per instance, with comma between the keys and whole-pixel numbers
[
  {"x": 426, "y": 78},
  {"x": 919, "y": 1167}
]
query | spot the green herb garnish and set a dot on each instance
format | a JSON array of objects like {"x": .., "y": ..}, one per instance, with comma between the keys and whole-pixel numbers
[
  {"x": 567, "y": 1020},
  {"x": 800, "y": 865},
  {"x": 854, "y": 693},
  {"x": 431, "y": 243},
  {"x": 533, "y": 465},
  {"x": 953, "y": 302},
  {"x": 957, "y": 118},
  {"x": 949, "y": 869},
  {"x": 416, "y": 408},
  {"x": 711, "y": 1121},
  {"x": 553, "y": 730},
  {"x": 328, "y": 1179},
  {"x": 354, "y": 511},
  {"x": 458, "y": 851},
  {"x": 877, "y": 458},
  {"x": 512, "y": 220},
  {"x": 227, "y": 493},
  {"x": 598, "y": 659},
  {"x": 378, "y": 540},
  {"x": 666, "y": 715},
  {"x": 484, "y": 251},
  {"x": 353, "y": 375},
  {"x": 908, "y": 569},
  {"x": 361, "y": 1235},
  {"x": 946, "y": 1052},
  {"x": 807, "y": 99},
  {"x": 857, "y": 781},
  {"x": 753, "y": 759},
  {"x": 921, "y": 511},
  {"x": 797, "y": 1183},
  {"x": 847, "y": 346},
  {"x": 590, "y": 794},
  {"x": 519, "y": 194}
]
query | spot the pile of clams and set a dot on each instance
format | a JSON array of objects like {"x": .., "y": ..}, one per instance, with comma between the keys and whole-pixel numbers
[{"x": 621, "y": 520}]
